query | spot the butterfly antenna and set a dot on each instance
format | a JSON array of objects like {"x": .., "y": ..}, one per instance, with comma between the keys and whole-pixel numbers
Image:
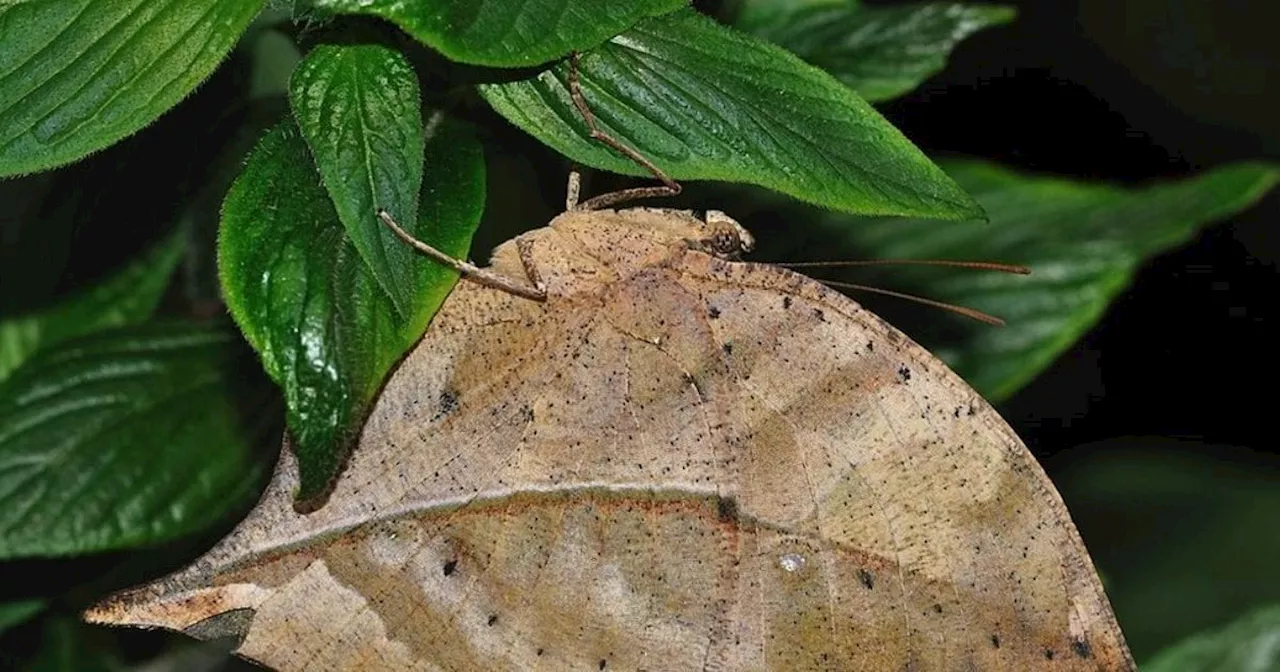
[
  {"x": 960, "y": 310},
  {"x": 975, "y": 265}
]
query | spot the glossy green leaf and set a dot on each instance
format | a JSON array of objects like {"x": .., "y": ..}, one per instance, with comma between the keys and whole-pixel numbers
[
  {"x": 705, "y": 102},
  {"x": 127, "y": 438},
  {"x": 129, "y": 296},
  {"x": 1083, "y": 242},
  {"x": 881, "y": 52},
  {"x": 358, "y": 108},
  {"x": 507, "y": 33},
  {"x": 79, "y": 75},
  {"x": 325, "y": 329}
]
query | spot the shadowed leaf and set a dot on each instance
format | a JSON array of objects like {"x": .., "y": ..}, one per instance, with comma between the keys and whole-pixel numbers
[
  {"x": 128, "y": 297},
  {"x": 126, "y": 438},
  {"x": 880, "y": 52},
  {"x": 79, "y": 75}
]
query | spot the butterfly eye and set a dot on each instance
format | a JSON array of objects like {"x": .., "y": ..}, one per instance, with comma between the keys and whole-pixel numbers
[
  {"x": 724, "y": 242},
  {"x": 727, "y": 237}
]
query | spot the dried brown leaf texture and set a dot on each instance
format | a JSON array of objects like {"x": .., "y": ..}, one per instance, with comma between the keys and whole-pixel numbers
[{"x": 676, "y": 462}]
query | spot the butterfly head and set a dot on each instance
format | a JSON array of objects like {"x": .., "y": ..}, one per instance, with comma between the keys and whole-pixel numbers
[{"x": 725, "y": 237}]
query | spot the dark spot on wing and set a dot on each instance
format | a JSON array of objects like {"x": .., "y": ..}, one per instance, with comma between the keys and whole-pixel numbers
[
  {"x": 713, "y": 312},
  {"x": 603, "y": 663},
  {"x": 234, "y": 624},
  {"x": 871, "y": 346},
  {"x": 867, "y": 578},
  {"x": 728, "y": 348},
  {"x": 1048, "y": 654},
  {"x": 526, "y": 412},
  {"x": 493, "y": 618},
  {"x": 786, "y": 302},
  {"x": 450, "y": 567},
  {"x": 904, "y": 373},
  {"x": 995, "y": 641},
  {"x": 817, "y": 312},
  {"x": 446, "y": 403},
  {"x": 1081, "y": 647},
  {"x": 937, "y": 608},
  {"x": 727, "y": 509}
]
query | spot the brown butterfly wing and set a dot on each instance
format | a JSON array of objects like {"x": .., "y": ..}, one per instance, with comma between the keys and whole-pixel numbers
[
  {"x": 861, "y": 438},
  {"x": 675, "y": 463}
]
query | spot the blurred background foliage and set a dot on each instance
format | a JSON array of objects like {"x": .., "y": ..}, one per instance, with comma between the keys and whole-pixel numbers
[{"x": 1155, "y": 424}]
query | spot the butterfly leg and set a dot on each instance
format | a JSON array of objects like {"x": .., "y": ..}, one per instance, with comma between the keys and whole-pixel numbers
[
  {"x": 571, "y": 193},
  {"x": 669, "y": 186},
  {"x": 534, "y": 290}
]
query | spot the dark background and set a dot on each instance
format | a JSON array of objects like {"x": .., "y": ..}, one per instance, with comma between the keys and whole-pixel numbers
[
  {"x": 1156, "y": 426},
  {"x": 1127, "y": 92}
]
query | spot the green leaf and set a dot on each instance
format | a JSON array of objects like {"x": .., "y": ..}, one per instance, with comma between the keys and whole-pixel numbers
[
  {"x": 706, "y": 102},
  {"x": 881, "y": 52},
  {"x": 79, "y": 75},
  {"x": 507, "y": 33},
  {"x": 19, "y": 612},
  {"x": 1083, "y": 242},
  {"x": 325, "y": 329},
  {"x": 128, "y": 297},
  {"x": 756, "y": 15},
  {"x": 127, "y": 438},
  {"x": 359, "y": 110}
]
